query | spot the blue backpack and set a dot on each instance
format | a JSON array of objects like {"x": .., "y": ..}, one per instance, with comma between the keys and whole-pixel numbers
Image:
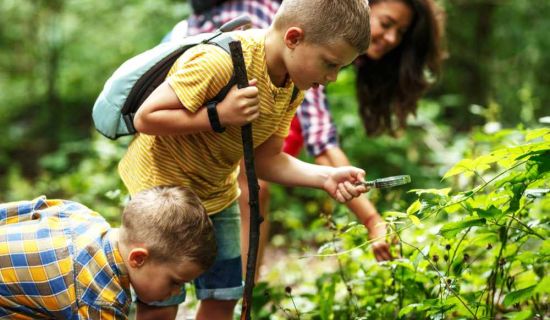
[{"x": 124, "y": 92}]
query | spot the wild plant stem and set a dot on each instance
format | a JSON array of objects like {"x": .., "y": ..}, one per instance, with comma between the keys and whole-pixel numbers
[{"x": 441, "y": 278}]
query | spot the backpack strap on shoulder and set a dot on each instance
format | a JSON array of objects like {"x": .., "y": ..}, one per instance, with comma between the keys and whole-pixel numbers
[
  {"x": 295, "y": 92},
  {"x": 222, "y": 40}
]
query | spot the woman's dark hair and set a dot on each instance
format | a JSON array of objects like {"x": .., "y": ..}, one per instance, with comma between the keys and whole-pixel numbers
[{"x": 388, "y": 89}]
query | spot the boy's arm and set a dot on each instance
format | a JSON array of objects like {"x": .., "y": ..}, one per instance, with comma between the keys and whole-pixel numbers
[
  {"x": 162, "y": 113},
  {"x": 274, "y": 165},
  {"x": 177, "y": 106}
]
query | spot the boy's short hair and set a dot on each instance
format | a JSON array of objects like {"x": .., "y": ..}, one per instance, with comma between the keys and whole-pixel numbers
[
  {"x": 326, "y": 20},
  {"x": 172, "y": 224}
]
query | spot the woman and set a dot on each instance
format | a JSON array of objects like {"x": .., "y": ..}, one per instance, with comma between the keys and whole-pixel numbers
[{"x": 391, "y": 78}]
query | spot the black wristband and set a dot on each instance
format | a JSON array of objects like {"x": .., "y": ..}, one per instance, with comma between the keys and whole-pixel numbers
[{"x": 213, "y": 117}]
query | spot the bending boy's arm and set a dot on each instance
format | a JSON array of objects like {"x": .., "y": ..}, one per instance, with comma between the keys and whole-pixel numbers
[
  {"x": 274, "y": 165},
  {"x": 177, "y": 106},
  {"x": 162, "y": 113}
]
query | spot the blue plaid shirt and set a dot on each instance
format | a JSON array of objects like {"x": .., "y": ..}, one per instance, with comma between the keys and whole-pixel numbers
[{"x": 57, "y": 261}]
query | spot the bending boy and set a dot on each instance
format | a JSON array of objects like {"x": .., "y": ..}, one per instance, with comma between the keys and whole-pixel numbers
[
  {"x": 59, "y": 259},
  {"x": 308, "y": 43}
]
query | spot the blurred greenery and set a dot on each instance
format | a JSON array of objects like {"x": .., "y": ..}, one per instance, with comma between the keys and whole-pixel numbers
[{"x": 55, "y": 56}]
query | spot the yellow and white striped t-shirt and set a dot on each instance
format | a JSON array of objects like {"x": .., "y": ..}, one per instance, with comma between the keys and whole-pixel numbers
[{"x": 208, "y": 162}]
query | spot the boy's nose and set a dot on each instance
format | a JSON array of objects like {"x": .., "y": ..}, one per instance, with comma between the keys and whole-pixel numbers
[{"x": 331, "y": 77}]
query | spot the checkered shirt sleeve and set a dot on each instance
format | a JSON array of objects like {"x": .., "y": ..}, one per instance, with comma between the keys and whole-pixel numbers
[
  {"x": 318, "y": 129},
  {"x": 261, "y": 12},
  {"x": 56, "y": 262}
]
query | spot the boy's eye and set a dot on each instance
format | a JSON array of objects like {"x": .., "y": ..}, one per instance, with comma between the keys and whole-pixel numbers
[{"x": 330, "y": 65}]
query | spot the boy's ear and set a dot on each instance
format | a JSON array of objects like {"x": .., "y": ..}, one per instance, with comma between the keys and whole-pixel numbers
[
  {"x": 137, "y": 257},
  {"x": 293, "y": 37}
]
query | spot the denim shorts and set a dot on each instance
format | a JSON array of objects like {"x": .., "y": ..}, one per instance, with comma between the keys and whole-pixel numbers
[{"x": 223, "y": 281}]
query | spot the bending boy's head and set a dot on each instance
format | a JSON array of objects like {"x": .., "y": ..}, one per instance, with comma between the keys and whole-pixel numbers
[
  {"x": 326, "y": 21},
  {"x": 172, "y": 224}
]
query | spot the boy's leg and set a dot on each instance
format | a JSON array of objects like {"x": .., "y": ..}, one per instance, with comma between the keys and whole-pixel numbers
[
  {"x": 221, "y": 286},
  {"x": 216, "y": 309}
]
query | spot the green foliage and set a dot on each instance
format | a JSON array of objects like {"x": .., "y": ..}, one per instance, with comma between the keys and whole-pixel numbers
[
  {"x": 471, "y": 234},
  {"x": 475, "y": 250}
]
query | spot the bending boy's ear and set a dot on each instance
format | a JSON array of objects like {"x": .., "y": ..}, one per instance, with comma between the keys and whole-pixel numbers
[
  {"x": 137, "y": 257},
  {"x": 293, "y": 37}
]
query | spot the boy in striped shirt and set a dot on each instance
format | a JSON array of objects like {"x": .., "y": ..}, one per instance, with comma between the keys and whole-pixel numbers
[
  {"x": 59, "y": 259},
  {"x": 307, "y": 44}
]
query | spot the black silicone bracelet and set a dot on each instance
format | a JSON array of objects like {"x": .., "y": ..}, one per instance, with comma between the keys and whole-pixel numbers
[{"x": 213, "y": 117}]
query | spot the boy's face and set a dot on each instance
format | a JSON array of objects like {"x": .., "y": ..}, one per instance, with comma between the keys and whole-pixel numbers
[
  {"x": 156, "y": 281},
  {"x": 310, "y": 65}
]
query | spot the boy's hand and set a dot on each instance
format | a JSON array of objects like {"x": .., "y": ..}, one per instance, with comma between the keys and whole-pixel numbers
[
  {"x": 240, "y": 106},
  {"x": 341, "y": 183}
]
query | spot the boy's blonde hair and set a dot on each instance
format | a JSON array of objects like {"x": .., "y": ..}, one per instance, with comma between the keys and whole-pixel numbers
[
  {"x": 172, "y": 224},
  {"x": 325, "y": 21}
]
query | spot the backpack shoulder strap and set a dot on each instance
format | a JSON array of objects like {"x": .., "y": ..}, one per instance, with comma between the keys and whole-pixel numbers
[
  {"x": 295, "y": 92},
  {"x": 223, "y": 40}
]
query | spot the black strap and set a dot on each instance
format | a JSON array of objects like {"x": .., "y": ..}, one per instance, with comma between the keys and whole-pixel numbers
[
  {"x": 213, "y": 117},
  {"x": 295, "y": 92}
]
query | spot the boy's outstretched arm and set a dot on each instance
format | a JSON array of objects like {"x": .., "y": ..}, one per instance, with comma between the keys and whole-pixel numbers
[
  {"x": 162, "y": 113},
  {"x": 274, "y": 165}
]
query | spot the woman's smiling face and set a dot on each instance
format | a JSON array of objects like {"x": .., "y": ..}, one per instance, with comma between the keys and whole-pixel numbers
[{"x": 389, "y": 21}]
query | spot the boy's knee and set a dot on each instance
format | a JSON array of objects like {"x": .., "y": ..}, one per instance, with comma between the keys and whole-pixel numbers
[
  {"x": 216, "y": 309},
  {"x": 264, "y": 190}
]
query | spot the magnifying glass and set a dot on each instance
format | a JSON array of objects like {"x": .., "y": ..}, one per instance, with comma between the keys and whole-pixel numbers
[{"x": 388, "y": 182}]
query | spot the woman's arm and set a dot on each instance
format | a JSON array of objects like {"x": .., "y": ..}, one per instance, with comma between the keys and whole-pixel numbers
[{"x": 363, "y": 209}]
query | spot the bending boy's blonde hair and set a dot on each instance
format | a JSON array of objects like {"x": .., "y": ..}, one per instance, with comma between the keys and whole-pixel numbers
[
  {"x": 172, "y": 224},
  {"x": 325, "y": 21}
]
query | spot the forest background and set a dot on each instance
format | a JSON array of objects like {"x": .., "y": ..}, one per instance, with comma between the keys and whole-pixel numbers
[{"x": 493, "y": 95}]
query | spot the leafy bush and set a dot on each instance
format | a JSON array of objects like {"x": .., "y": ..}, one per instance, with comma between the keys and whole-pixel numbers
[{"x": 476, "y": 250}]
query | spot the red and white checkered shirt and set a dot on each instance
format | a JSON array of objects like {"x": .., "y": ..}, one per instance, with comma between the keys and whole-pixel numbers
[{"x": 318, "y": 129}]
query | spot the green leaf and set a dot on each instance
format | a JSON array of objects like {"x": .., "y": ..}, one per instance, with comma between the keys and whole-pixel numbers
[
  {"x": 462, "y": 166},
  {"x": 327, "y": 296},
  {"x": 543, "y": 286},
  {"x": 412, "y": 307},
  {"x": 442, "y": 192},
  {"x": 521, "y": 315},
  {"x": 415, "y": 220},
  {"x": 414, "y": 207},
  {"x": 519, "y": 296},
  {"x": 489, "y": 213},
  {"x": 449, "y": 230},
  {"x": 534, "y": 134},
  {"x": 395, "y": 214},
  {"x": 423, "y": 254}
]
